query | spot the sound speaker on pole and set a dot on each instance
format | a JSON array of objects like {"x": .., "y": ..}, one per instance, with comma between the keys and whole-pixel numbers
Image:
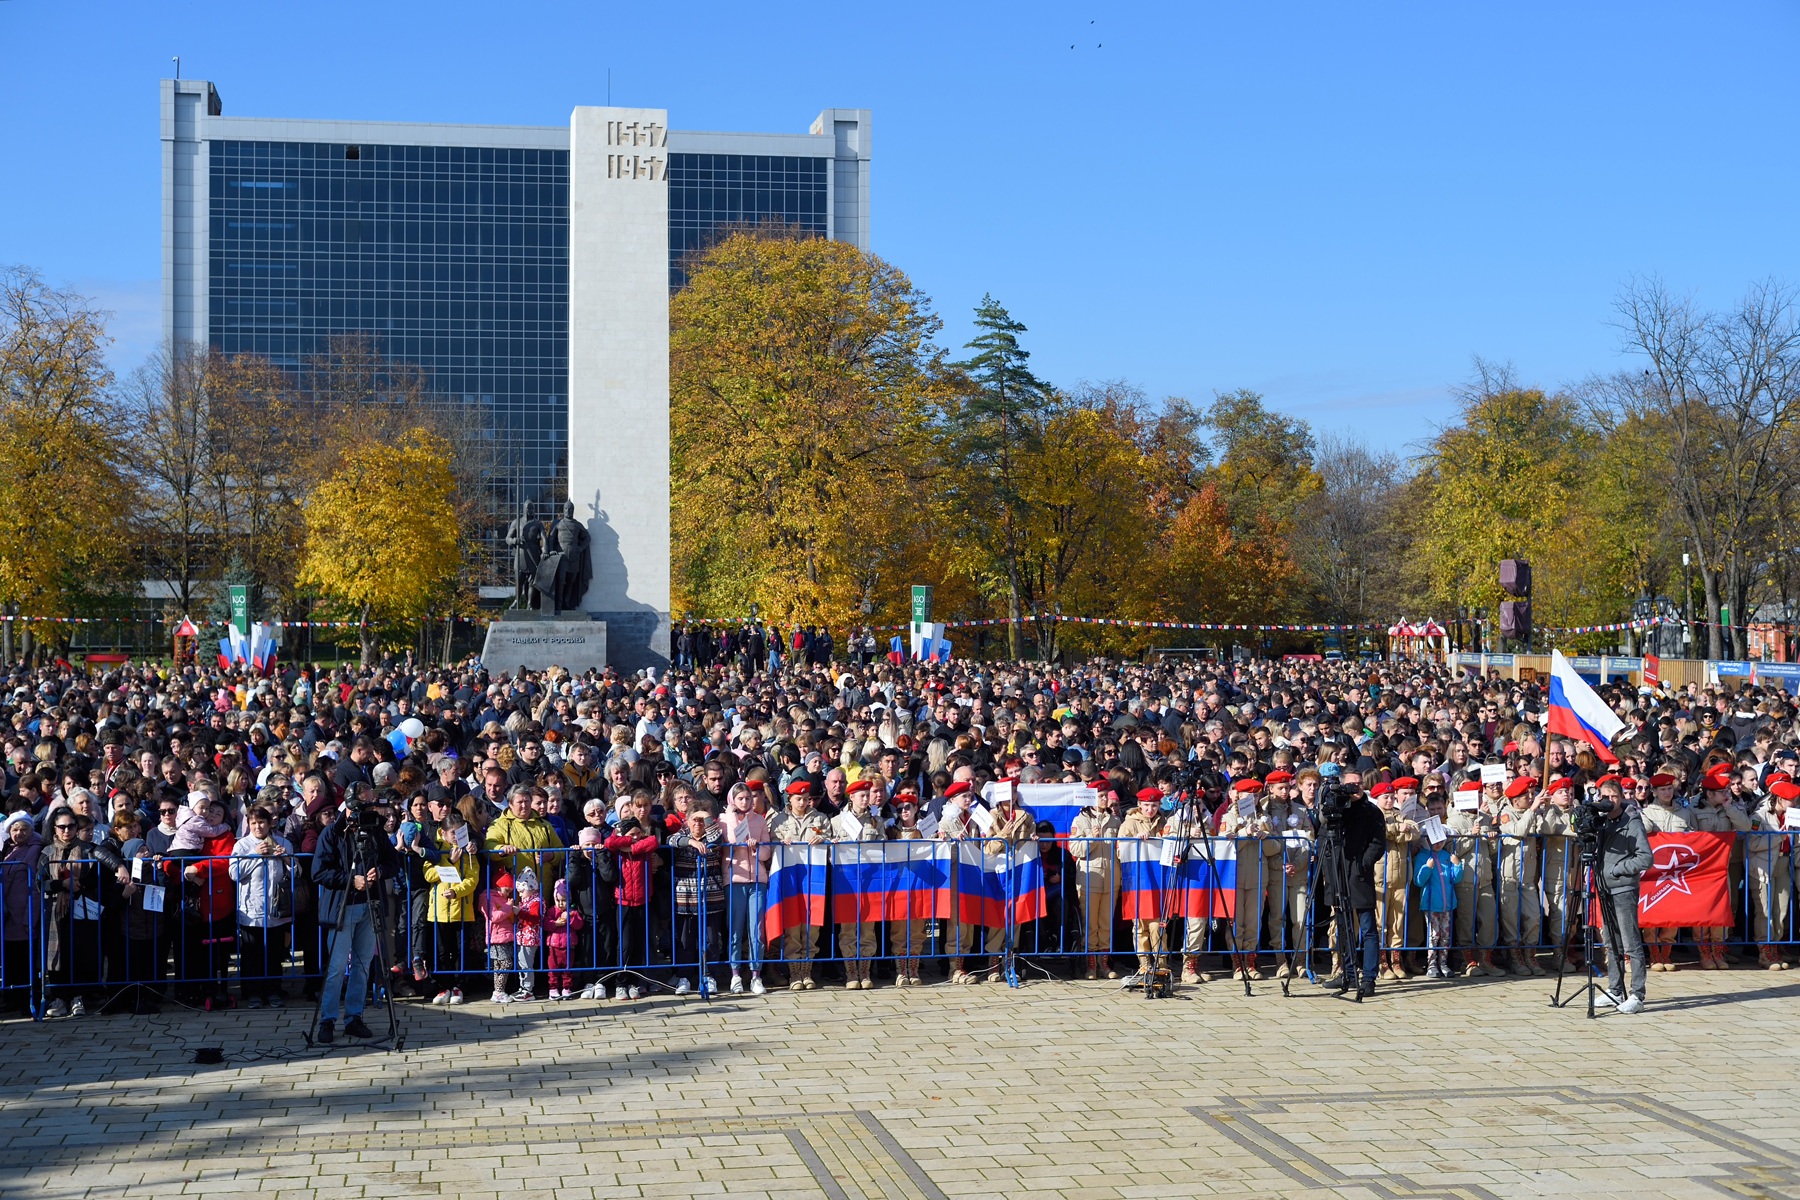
[{"x": 1515, "y": 577}]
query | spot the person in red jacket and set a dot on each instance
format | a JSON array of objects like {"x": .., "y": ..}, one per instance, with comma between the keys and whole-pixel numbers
[
  {"x": 633, "y": 843},
  {"x": 208, "y": 911}
]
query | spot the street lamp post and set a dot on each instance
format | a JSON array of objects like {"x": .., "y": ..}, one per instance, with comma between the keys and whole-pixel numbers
[{"x": 1687, "y": 607}]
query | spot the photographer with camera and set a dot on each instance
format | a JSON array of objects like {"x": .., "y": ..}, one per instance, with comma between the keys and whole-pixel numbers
[
  {"x": 352, "y": 858},
  {"x": 1624, "y": 857},
  {"x": 1353, "y": 839}
]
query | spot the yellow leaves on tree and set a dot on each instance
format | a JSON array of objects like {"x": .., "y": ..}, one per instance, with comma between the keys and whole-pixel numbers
[
  {"x": 799, "y": 374},
  {"x": 381, "y": 533},
  {"x": 62, "y": 496}
]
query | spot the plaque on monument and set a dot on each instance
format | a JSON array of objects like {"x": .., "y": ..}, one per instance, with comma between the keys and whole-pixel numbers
[{"x": 577, "y": 644}]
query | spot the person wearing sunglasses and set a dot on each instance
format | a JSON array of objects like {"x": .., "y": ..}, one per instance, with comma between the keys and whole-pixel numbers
[{"x": 72, "y": 950}]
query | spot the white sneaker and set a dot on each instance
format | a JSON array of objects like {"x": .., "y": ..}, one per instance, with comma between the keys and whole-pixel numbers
[
  {"x": 443, "y": 997},
  {"x": 587, "y": 993},
  {"x": 756, "y": 985},
  {"x": 79, "y": 1008},
  {"x": 1602, "y": 996},
  {"x": 634, "y": 994},
  {"x": 682, "y": 987},
  {"x": 737, "y": 985},
  {"x": 1632, "y": 1004},
  {"x": 712, "y": 986},
  {"x": 456, "y": 996},
  {"x": 497, "y": 998},
  {"x": 620, "y": 994},
  {"x": 57, "y": 1008}
]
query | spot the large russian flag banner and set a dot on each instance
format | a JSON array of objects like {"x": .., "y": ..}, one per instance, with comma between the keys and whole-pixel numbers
[
  {"x": 1057, "y": 803},
  {"x": 1208, "y": 885},
  {"x": 980, "y": 889},
  {"x": 796, "y": 887},
  {"x": 917, "y": 875},
  {"x": 1577, "y": 712},
  {"x": 1142, "y": 879},
  {"x": 1024, "y": 883}
]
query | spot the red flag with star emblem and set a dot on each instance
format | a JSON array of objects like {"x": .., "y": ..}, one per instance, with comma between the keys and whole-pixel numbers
[{"x": 1687, "y": 884}]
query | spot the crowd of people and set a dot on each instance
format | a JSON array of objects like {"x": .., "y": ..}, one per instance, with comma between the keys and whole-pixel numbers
[{"x": 210, "y": 838}]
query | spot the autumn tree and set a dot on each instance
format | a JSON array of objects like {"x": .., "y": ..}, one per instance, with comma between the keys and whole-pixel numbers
[
  {"x": 801, "y": 370},
  {"x": 63, "y": 497},
  {"x": 171, "y": 430},
  {"x": 381, "y": 538}
]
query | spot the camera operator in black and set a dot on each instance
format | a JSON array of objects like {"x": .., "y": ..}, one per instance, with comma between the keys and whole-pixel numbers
[
  {"x": 1624, "y": 857},
  {"x": 353, "y": 856},
  {"x": 1359, "y": 830}
]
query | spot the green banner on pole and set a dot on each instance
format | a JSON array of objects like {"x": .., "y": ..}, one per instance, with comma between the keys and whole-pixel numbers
[
  {"x": 240, "y": 609},
  {"x": 921, "y": 597}
]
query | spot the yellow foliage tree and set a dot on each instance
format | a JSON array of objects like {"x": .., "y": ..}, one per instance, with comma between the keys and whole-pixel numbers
[
  {"x": 62, "y": 494},
  {"x": 800, "y": 371},
  {"x": 381, "y": 534}
]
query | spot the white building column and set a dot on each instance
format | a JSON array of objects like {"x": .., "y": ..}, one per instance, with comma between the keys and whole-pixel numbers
[{"x": 619, "y": 371}]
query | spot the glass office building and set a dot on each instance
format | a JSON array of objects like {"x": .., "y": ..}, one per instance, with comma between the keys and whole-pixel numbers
[{"x": 447, "y": 246}]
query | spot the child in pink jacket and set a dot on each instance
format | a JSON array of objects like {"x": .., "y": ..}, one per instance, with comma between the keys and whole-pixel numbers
[{"x": 560, "y": 929}]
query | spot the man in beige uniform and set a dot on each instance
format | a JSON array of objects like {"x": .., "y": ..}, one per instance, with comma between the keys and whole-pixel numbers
[
  {"x": 1521, "y": 822},
  {"x": 1474, "y": 841},
  {"x": 1719, "y": 812},
  {"x": 1097, "y": 876},
  {"x": 802, "y": 824},
  {"x": 1146, "y": 821},
  {"x": 1661, "y": 816},
  {"x": 1284, "y": 879},
  {"x": 1258, "y": 854},
  {"x": 960, "y": 938}
]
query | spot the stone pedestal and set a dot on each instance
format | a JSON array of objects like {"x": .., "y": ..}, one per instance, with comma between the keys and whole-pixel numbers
[{"x": 538, "y": 643}]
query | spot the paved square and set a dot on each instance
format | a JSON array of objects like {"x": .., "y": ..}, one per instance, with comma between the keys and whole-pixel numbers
[{"x": 1472, "y": 1089}]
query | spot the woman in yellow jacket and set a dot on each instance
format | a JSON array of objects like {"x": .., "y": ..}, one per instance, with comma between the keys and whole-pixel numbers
[{"x": 454, "y": 919}]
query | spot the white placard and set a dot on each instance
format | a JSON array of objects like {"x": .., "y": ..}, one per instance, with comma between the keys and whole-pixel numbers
[
  {"x": 984, "y": 820},
  {"x": 153, "y": 898},
  {"x": 85, "y": 910},
  {"x": 1434, "y": 830},
  {"x": 1492, "y": 773},
  {"x": 928, "y": 826},
  {"x": 1468, "y": 801},
  {"x": 448, "y": 875}
]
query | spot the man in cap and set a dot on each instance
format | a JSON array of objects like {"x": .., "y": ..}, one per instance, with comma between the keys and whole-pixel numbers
[
  {"x": 1245, "y": 822},
  {"x": 1284, "y": 880},
  {"x": 1474, "y": 835},
  {"x": 1393, "y": 874},
  {"x": 1719, "y": 812},
  {"x": 800, "y": 824},
  {"x": 1522, "y": 822}
]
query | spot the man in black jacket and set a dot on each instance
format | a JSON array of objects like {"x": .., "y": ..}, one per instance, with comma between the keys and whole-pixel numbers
[
  {"x": 346, "y": 879},
  {"x": 1624, "y": 857},
  {"x": 1364, "y": 841}
]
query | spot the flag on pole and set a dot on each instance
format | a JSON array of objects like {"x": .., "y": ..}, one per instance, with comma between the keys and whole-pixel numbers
[
  {"x": 1143, "y": 879},
  {"x": 1025, "y": 882},
  {"x": 796, "y": 893},
  {"x": 1208, "y": 888},
  {"x": 1577, "y": 712},
  {"x": 1686, "y": 883},
  {"x": 980, "y": 889}
]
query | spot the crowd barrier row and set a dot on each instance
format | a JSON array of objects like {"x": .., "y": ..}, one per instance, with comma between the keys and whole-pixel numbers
[{"x": 253, "y": 921}]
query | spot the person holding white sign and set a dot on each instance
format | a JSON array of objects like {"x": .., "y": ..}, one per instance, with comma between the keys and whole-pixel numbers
[
  {"x": 1011, "y": 828},
  {"x": 1092, "y": 844},
  {"x": 956, "y": 824},
  {"x": 1149, "y": 936},
  {"x": 1244, "y": 821},
  {"x": 1285, "y": 878},
  {"x": 1474, "y": 836}
]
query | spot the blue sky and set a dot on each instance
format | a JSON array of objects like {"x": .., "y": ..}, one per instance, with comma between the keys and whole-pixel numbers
[{"x": 1334, "y": 205}]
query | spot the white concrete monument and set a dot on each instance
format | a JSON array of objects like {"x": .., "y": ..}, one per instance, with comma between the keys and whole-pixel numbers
[{"x": 619, "y": 371}]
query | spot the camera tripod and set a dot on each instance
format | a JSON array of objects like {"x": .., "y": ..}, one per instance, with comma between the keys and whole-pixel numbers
[
  {"x": 362, "y": 860},
  {"x": 1349, "y": 946},
  {"x": 1615, "y": 943}
]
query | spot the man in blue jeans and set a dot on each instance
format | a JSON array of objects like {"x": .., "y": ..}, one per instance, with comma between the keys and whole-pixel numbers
[{"x": 347, "y": 881}]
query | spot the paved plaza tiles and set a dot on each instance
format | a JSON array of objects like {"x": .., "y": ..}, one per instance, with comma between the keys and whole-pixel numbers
[{"x": 1474, "y": 1089}]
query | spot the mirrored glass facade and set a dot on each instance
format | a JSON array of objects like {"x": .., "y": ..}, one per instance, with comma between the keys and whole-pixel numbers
[{"x": 709, "y": 192}]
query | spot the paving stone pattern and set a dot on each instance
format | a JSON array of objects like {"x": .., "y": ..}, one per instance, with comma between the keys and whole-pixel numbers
[{"x": 1068, "y": 1090}]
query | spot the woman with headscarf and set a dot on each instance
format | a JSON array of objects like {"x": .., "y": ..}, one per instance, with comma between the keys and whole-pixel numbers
[
  {"x": 72, "y": 950},
  {"x": 20, "y": 850}
]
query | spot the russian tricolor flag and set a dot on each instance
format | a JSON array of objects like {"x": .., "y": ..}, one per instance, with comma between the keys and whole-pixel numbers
[
  {"x": 1577, "y": 712},
  {"x": 1202, "y": 887},
  {"x": 885, "y": 881},
  {"x": 796, "y": 893}
]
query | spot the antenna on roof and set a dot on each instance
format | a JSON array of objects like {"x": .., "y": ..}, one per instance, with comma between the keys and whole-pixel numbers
[{"x": 177, "y": 59}]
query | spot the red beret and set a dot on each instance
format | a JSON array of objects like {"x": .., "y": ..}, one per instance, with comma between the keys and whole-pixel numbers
[
  {"x": 1381, "y": 789},
  {"x": 1247, "y": 786},
  {"x": 1406, "y": 783},
  {"x": 956, "y": 789},
  {"x": 1519, "y": 787},
  {"x": 1786, "y": 790},
  {"x": 1778, "y": 777},
  {"x": 861, "y": 785},
  {"x": 755, "y": 785},
  {"x": 1663, "y": 779},
  {"x": 799, "y": 787},
  {"x": 1469, "y": 785},
  {"x": 1717, "y": 779},
  {"x": 1608, "y": 778},
  {"x": 1279, "y": 777},
  {"x": 1563, "y": 784},
  {"x": 1150, "y": 793},
  {"x": 1510, "y": 748}
]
